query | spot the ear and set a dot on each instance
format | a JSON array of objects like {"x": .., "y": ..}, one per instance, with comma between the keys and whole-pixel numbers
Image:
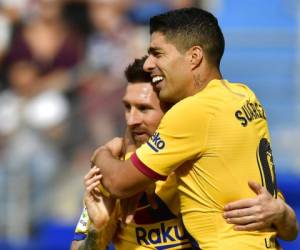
[{"x": 195, "y": 56}]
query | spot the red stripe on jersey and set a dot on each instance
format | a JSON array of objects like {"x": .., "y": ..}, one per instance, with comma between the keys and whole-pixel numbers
[{"x": 144, "y": 169}]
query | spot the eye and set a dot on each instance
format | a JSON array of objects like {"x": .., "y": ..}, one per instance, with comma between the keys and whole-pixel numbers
[
  {"x": 127, "y": 106},
  {"x": 144, "y": 108},
  {"x": 157, "y": 54}
]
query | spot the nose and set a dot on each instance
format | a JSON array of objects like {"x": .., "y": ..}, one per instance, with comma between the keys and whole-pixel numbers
[
  {"x": 133, "y": 117},
  {"x": 149, "y": 64}
]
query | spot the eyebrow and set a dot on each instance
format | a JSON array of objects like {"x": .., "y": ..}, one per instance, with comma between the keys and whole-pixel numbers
[
  {"x": 124, "y": 101},
  {"x": 138, "y": 104}
]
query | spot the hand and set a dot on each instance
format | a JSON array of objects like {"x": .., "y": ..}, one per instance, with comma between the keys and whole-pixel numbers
[
  {"x": 256, "y": 213},
  {"x": 128, "y": 207},
  {"x": 150, "y": 193},
  {"x": 115, "y": 147},
  {"x": 99, "y": 208}
]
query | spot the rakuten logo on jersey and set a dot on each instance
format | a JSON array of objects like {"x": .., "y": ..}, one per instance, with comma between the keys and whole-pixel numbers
[
  {"x": 155, "y": 142},
  {"x": 162, "y": 234}
]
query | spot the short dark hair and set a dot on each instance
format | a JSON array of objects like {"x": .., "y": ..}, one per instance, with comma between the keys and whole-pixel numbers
[
  {"x": 189, "y": 27},
  {"x": 135, "y": 73}
]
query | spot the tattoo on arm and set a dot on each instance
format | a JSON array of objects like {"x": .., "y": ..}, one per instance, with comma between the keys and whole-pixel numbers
[{"x": 92, "y": 242}]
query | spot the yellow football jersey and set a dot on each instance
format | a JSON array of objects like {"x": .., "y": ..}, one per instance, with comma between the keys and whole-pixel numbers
[
  {"x": 221, "y": 136},
  {"x": 158, "y": 228}
]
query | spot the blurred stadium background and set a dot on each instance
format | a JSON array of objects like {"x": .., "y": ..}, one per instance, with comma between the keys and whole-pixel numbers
[{"x": 61, "y": 79}]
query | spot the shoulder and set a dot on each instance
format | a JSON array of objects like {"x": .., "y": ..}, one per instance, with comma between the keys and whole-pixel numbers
[
  {"x": 189, "y": 111},
  {"x": 188, "y": 106},
  {"x": 243, "y": 89}
]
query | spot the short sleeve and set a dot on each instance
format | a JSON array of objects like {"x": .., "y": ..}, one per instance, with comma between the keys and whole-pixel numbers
[{"x": 181, "y": 136}]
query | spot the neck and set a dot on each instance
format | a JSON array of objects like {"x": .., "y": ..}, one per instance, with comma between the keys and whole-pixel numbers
[{"x": 204, "y": 76}]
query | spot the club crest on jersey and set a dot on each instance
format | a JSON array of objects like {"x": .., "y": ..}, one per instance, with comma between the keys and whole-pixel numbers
[{"x": 155, "y": 142}]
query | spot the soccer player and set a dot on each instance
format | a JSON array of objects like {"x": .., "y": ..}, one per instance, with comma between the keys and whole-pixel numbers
[
  {"x": 143, "y": 113},
  {"x": 215, "y": 137},
  {"x": 157, "y": 228}
]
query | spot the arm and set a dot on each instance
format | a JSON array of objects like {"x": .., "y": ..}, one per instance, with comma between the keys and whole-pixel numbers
[
  {"x": 115, "y": 174},
  {"x": 102, "y": 215},
  {"x": 99, "y": 207},
  {"x": 287, "y": 225},
  {"x": 262, "y": 212},
  {"x": 76, "y": 244},
  {"x": 93, "y": 237},
  {"x": 92, "y": 242}
]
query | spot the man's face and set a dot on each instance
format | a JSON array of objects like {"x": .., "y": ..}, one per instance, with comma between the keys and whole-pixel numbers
[
  {"x": 170, "y": 70},
  {"x": 142, "y": 111}
]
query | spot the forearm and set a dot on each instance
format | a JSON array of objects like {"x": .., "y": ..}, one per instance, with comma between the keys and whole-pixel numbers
[
  {"x": 287, "y": 225},
  {"x": 76, "y": 244},
  {"x": 92, "y": 242},
  {"x": 110, "y": 170},
  {"x": 120, "y": 178}
]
